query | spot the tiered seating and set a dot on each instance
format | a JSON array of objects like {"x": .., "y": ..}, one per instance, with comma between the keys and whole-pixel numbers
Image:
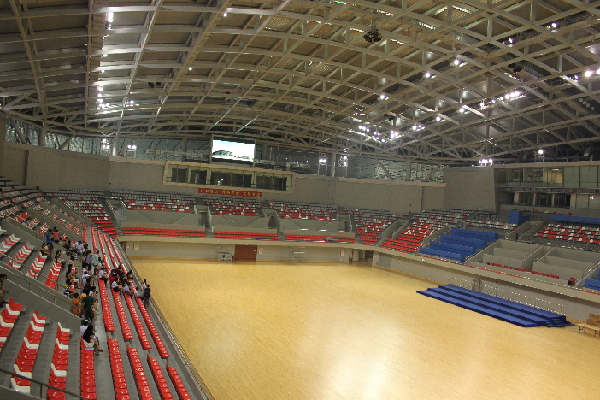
[
  {"x": 246, "y": 235},
  {"x": 460, "y": 244},
  {"x": 89, "y": 206},
  {"x": 28, "y": 353},
  {"x": 410, "y": 240},
  {"x": 178, "y": 383},
  {"x": 573, "y": 233},
  {"x": 319, "y": 238},
  {"x": 109, "y": 325},
  {"x": 8, "y": 317},
  {"x": 127, "y": 334},
  {"x": 424, "y": 225},
  {"x": 8, "y": 244},
  {"x": 162, "y": 349},
  {"x": 139, "y": 327},
  {"x": 515, "y": 313},
  {"x": 18, "y": 259},
  {"x": 60, "y": 363},
  {"x": 528, "y": 271},
  {"x": 155, "y": 201},
  {"x": 53, "y": 275},
  {"x": 116, "y": 368},
  {"x": 36, "y": 266},
  {"x": 300, "y": 210},
  {"x": 135, "y": 231},
  {"x": 492, "y": 224},
  {"x": 87, "y": 374},
  {"x": 224, "y": 205},
  {"x": 159, "y": 378},
  {"x": 7, "y": 212},
  {"x": 370, "y": 224},
  {"x": 138, "y": 371}
]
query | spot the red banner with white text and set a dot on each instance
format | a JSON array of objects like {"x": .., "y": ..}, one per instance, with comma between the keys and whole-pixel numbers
[{"x": 225, "y": 192}]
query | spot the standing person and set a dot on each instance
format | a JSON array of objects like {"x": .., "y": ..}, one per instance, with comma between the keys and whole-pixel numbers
[
  {"x": 95, "y": 261},
  {"x": 87, "y": 304},
  {"x": 146, "y": 296},
  {"x": 48, "y": 236},
  {"x": 3, "y": 291},
  {"x": 55, "y": 235}
]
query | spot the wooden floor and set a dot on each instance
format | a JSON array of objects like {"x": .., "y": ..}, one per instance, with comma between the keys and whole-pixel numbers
[{"x": 341, "y": 331}]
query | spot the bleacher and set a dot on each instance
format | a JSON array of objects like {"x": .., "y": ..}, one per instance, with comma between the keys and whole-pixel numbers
[
  {"x": 504, "y": 310},
  {"x": 370, "y": 223},
  {"x": 303, "y": 210},
  {"x": 155, "y": 201},
  {"x": 226, "y": 205},
  {"x": 423, "y": 225},
  {"x": 459, "y": 245},
  {"x": 46, "y": 346},
  {"x": 571, "y": 232},
  {"x": 89, "y": 206}
]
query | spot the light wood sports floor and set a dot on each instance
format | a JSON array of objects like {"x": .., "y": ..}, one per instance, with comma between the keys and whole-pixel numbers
[{"x": 324, "y": 331}]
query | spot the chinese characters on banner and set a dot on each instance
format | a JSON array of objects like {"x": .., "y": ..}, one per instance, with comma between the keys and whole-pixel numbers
[{"x": 238, "y": 193}]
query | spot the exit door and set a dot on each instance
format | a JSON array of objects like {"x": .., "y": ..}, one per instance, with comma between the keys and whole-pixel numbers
[{"x": 245, "y": 252}]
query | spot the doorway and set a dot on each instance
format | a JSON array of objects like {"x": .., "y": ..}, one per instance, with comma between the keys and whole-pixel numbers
[{"x": 245, "y": 252}]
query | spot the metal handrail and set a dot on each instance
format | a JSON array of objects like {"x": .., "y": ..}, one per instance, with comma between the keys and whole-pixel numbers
[{"x": 42, "y": 384}]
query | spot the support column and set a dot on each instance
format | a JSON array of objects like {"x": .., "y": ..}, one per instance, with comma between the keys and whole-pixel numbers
[
  {"x": 408, "y": 170},
  {"x": 184, "y": 145},
  {"x": 333, "y": 163},
  {"x": 42, "y": 136},
  {"x": 115, "y": 145},
  {"x": 3, "y": 126}
]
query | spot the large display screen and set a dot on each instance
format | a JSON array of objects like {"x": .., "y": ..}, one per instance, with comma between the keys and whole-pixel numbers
[{"x": 235, "y": 151}]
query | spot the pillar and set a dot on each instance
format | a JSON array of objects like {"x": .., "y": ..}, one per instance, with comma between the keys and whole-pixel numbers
[
  {"x": 408, "y": 170},
  {"x": 42, "y": 136}
]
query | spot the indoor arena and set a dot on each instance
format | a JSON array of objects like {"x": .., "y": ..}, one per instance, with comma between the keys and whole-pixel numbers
[{"x": 303, "y": 200}]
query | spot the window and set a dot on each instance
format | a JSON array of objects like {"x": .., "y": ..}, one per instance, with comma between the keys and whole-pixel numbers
[
  {"x": 543, "y": 200},
  {"x": 562, "y": 200}
]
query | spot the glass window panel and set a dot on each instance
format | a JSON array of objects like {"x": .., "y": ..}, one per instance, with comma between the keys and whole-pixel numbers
[
  {"x": 571, "y": 176},
  {"x": 554, "y": 177},
  {"x": 562, "y": 200},
  {"x": 501, "y": 176},
  {"x": 588, "y": 177},
  {"x": 515, "y": 176},
  {"x": 525, "y": 198},
  {"x": 198, "y": 176},
  {"x": 543, "y": 200}
]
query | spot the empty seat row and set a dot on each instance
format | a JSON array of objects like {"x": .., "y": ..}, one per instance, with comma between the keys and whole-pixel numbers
[
  {"x": 160, "y": 346},
  {"x": 139, "y": 327}
]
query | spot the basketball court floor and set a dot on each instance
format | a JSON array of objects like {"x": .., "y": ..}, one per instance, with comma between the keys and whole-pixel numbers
[{"x": 332, "y": 331}]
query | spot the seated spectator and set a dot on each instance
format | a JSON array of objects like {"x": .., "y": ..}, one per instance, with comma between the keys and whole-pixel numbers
[
  {"x": 83, "y": 327},
  {"x": 127, "y": 290},
  {"x": 76, "y": 304},
  {"x": 102, "y": 275},
  {"x": 90, "y": 340}
]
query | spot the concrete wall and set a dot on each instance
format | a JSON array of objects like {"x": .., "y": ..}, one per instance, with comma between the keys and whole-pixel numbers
[
  {"x": 14, "y": 163},
  {"x": 265, "y": 252},
  {"x": 577, "y": 304},
  {"x": 30, "y": 165},
  {"x": 470, "y": 188}
]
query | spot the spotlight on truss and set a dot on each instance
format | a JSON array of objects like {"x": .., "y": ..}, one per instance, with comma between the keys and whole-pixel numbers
[{"x": 373, "y": 36}]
